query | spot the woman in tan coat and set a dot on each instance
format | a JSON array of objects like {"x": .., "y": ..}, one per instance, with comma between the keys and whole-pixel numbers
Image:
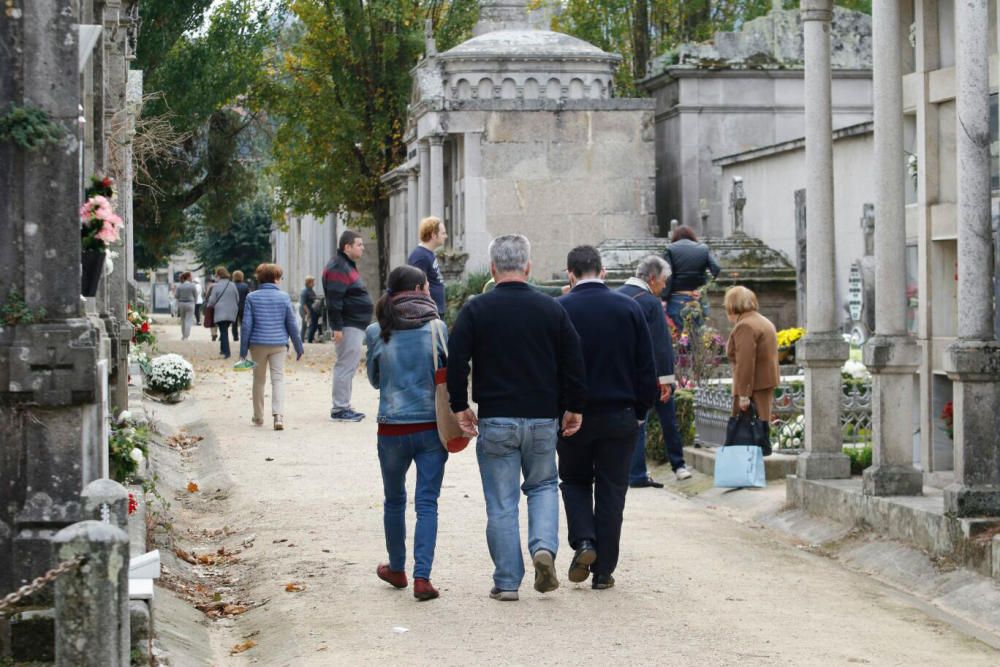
[{"x": 753, "y": 353}]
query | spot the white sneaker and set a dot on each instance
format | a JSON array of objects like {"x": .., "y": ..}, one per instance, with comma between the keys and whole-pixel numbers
[{"x": 682, "y": 473}]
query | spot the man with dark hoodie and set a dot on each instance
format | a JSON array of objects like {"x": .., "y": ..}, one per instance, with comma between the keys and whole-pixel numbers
[{"x": 349, "y": 310}]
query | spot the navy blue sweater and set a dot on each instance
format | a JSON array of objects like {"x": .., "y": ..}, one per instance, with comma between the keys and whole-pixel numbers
[
  {"x": 525, "y": 355},
  {"x": 656, "y": 320},
  {"x": 617, "y": 349}
]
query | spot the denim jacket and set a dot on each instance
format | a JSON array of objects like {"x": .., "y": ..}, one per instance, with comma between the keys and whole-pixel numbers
[{"x": 403, "y": 372}]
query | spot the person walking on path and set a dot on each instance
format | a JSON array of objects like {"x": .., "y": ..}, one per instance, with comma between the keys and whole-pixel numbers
[
  {"x": 242, "y": 289},
  {"x": 349, "y": 310},
  {"x": 268, "y": 324},
  {"x": 400, "y": 363},
  {"x": 199, "y": 300},
  {"x": 186, "y": 295},
  {"x": 752, "y": 349},
  {"x": 225, "y": 299},
  {"x": 309, "y": 309},
  {"x": 621, "y": 389},
  {"x": 527, "y": 370},
  {"x": 432, "y": 236},
  {"x": 651, "y": 275},
  {"x": 689, "y": 262}
]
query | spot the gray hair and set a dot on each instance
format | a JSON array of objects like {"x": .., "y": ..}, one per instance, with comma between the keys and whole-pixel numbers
[
  {"x": 652, "y": 266},
  {"x": 510, "y": 253}
]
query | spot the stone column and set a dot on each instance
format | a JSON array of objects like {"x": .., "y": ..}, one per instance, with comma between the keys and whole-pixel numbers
[
  {"x": 822, "y": 350},
  {"x": 412, "y": 219},
  {"x": 437, "y": 176},
  {"x": 423, "y": 155},
  {"x": 973, "y": 361},
  {"x": 891, "y": 354}
]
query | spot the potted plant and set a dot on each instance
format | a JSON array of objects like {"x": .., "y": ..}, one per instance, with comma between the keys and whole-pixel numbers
[
  {"x": 99, "y": 228},
  {"x": 786, "y": 344}
]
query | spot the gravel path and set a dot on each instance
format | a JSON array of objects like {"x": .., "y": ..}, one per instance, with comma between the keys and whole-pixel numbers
[{"x": 692, "y": 588}]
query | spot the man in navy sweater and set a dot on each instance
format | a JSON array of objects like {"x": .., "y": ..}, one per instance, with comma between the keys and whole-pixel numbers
[
  {"x": 651, "y": 276},
  {"x": 621, "y": 389},
  {"x": 527, "y": 371},
  {"x": 432, "y": 234}
]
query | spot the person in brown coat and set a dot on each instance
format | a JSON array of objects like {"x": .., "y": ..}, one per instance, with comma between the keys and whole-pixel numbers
[{"x": 753, "y": 353}]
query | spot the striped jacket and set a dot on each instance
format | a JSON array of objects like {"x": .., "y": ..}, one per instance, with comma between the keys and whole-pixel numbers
[
  {"x": 268, "y": 319},
  {"x": 347, "y": 301}
]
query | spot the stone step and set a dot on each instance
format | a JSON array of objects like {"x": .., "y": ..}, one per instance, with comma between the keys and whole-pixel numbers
[{"x": 776, "y": 466}]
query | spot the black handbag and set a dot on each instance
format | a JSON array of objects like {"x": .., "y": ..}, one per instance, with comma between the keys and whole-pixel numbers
[{"x": 747, "y": 428}]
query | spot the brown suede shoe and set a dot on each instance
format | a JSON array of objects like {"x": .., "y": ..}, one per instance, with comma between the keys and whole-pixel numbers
[
  {"x": 423, "y": 590},
  {"x": 391, "y": 577}
]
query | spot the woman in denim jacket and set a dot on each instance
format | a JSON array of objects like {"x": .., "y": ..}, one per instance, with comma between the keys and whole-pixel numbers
[{"x": 400, "y": 364}]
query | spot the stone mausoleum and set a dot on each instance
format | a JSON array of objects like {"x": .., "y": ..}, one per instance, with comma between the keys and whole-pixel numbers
[
  {"x": 517, "y": 130},
  {"x": 744, "y": 91}
]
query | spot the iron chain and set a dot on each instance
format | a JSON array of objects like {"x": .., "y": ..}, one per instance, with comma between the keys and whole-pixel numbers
[{"x": 40, "y": 582}]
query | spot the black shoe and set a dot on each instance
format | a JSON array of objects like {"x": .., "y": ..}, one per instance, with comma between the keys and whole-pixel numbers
[
  {"x": 602, "y": 581},
  {"x": 579, "y": 567},
  {"x": 648, "y": 482}
]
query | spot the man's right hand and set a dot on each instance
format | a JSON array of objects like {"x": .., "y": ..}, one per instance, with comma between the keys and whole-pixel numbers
[
  {"x": 468, "y": 421},
  {"x": 571, "y": 423},
  {"x": 338, "y": 336}
]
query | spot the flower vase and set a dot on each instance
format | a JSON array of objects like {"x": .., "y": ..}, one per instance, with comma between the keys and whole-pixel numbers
[
  {"x": 92, "y": 265},
  {"x": 786, "y": 355}
]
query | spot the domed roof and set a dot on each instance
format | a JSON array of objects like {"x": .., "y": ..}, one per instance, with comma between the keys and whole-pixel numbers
[{"x": 527, "y": 45}]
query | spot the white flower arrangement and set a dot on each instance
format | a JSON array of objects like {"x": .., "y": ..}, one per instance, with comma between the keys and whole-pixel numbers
[
  {"x": 170, "y": 373},
  {"x": 855, "y": 369},
  {"x": 792, "y": 434}
]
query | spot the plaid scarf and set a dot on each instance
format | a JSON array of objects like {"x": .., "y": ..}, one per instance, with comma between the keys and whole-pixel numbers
[{"x": 412, "y": 310}]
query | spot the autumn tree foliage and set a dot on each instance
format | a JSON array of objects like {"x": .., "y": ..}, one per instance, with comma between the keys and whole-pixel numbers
[{"x": 339, "y": 96}]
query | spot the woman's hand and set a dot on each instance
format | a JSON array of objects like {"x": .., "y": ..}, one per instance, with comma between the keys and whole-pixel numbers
[{"x": 744, "y": 403}]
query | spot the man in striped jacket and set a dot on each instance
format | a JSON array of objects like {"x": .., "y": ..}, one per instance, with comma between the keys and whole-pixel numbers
[{"x": 349, "y": 311}]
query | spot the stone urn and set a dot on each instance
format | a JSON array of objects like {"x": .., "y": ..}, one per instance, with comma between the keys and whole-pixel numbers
[{"x": 452, "y": 264}]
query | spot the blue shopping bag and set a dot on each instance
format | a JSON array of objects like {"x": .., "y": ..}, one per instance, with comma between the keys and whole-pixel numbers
[{"x": 739, "y": 466}]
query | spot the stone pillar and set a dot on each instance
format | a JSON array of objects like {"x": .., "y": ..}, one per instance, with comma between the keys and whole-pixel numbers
[
  {"x": 91, "y": 628},
  {"x": 437, "y": 176},
  {"x": 973, "y": 361},
  {"x": 424, "y": 158},
  {"x": 50, "y": 418},
  {"x": 822, "y": 350},
  {"x": 412, "y": 218},
  {"x": 891, "y": 354}
]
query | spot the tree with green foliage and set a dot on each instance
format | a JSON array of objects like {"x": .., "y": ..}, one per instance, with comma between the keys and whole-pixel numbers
[
  {"x": 201, "y": 76},
  {"x": 339, "y": 99},
  {"x": 641, "y": 30},
  {"x": 243, "y": 245}
]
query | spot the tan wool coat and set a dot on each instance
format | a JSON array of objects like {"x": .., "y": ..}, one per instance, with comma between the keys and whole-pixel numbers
[{"x": 753, "y": 355}]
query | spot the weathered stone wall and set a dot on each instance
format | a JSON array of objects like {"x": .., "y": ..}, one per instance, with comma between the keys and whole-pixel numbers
[
  {"x": 770, "y": 182},
  {"x": 563, "y": 179}
]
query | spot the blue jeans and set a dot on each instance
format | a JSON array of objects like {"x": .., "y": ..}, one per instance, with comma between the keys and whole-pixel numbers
[
  {"x": 506, "y": 448},
  {"x": 395, "y": 453},
  {"x": 675, "y": 306},
  {"x": 671, "y": 441}
]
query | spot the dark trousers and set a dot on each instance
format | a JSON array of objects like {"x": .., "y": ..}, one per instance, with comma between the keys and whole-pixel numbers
[
  {"x": 224, "y": 338},
  {"x": 197, "y": 313},
  {"x": 236, "y": 326},
  {"x": 594, "y": 468},
  {"x": 667, "y": 415}
]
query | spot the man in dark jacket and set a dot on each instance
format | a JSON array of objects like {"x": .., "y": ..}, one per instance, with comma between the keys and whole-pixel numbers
[
  {"x": 349, "y": 311},
  {"x": 621, "y": 388},
  {"x": 527, "y": 371},
  {"x": 651, "y": 276}
]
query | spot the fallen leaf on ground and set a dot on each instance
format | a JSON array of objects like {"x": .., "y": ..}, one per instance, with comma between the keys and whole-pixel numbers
[
  {"x": 244, "y": 646},
  {"x": 294, "y": 588},
  {"x": 234, "y": 609},
  {"x": 192, "y": 487},
  {"x": 185, "y": 556}
]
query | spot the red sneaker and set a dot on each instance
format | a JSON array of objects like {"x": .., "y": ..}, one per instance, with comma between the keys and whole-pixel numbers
[
  {"x": 397, "y": 579},
  {"x": 423, "y": 590}
]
